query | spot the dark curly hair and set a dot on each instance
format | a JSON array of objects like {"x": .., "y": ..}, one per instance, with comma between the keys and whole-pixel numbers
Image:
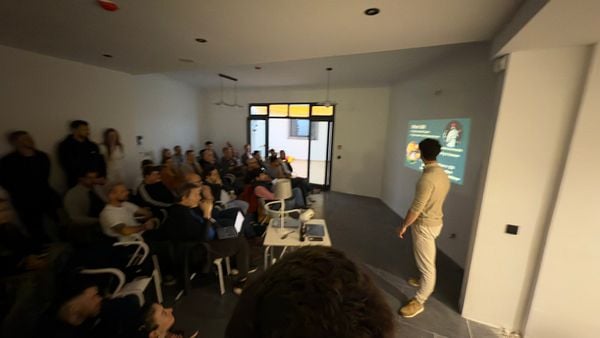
[{"x": 313, "y": 292}]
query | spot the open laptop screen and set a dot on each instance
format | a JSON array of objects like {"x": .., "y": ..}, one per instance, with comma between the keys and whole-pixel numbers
[{"x": 239, "y": 221}]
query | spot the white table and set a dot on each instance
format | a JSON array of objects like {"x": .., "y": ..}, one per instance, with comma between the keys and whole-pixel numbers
[{"x": 274, "y": 234}]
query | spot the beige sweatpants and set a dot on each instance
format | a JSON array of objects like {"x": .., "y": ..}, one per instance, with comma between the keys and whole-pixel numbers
[{"x": 424, "y": 249}]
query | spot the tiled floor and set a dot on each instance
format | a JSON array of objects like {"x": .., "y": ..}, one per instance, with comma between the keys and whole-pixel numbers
[{"x": 364, "y": 229}]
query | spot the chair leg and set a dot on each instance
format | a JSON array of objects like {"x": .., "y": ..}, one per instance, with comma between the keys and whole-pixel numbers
[
  {"x": 220, "y": 272},
  {"x": 228, "y": 266},
  {"x": 156, "y": 277},
  {"x": 157, "y": 286}
]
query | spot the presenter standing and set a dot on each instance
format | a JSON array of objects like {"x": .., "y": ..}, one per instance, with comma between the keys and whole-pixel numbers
[{"x": 425, "y": 216}]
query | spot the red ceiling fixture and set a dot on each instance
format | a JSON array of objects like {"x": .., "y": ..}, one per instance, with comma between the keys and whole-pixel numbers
[{"x": 108, "y": 5}]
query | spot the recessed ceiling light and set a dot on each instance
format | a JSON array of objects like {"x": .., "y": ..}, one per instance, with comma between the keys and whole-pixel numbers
[
  {"x": 201, "y": 40},
  {"x": 107, "y": 55},
  {"x": 372, "y": 11},
  {"x": 257, "y": 67},
  {"x": 186, "y": 60}
]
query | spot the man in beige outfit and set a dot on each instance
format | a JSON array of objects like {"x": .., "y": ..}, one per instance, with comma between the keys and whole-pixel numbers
[{"x": 425, "y": 217}]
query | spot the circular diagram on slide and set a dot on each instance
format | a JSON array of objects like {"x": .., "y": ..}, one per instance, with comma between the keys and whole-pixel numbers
[{"x": 412, "y": 152}]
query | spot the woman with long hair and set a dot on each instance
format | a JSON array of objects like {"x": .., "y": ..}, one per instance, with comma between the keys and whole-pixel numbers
[{"x": 112, "y": 150}]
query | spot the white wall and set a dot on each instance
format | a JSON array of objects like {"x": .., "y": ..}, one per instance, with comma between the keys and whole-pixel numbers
[
  {"x": 538, "y": 106},
  {"x": 42, "y": 94},
  {"x": 468, "y": 88},
  {"x": 566, "y": 295},
  {"x": 360, "y": 128}
]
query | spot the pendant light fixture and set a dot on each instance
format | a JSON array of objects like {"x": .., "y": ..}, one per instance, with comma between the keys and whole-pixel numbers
[
  {"x": 221, "y": 102},
  {"x": 224, "y": 103},
  {"x": 327, "y": 102}
]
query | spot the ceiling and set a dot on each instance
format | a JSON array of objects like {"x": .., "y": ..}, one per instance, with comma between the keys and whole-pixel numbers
[
  {"x": 151, "y": 36},
  {"x": 559, "y": 23}
]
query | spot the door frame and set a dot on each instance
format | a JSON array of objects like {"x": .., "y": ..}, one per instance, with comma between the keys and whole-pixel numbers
[{"x": 330, "y": 135}]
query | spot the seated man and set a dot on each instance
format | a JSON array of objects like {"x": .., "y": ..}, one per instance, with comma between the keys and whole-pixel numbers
[
  {"x": 191, "y": 220},
  {"x": 221, "y": 193},
  {"x": 263, "y": 189},
  {"x": 191, "y": 164},
  {"x": 275, "y": 169},
  {"x": 28, "y": 274},
  {"x": 208, "y": 159},
  {"x": 82, "y": 203},
  {"x": 312, "y": 292},
  {"x": 152, "y": 191},
  {"x": 119, "y": 219},
  {"x": 228, "y": 162},
  {"x": 287, "y": 166}
]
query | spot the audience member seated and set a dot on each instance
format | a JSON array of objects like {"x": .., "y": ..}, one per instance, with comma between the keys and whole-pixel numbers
[
  {"x": 252, "y": 167},
  {"x": 247, "y": 154},
  {"x": 287, "y": 166},
  {"x": 258, "y": 157},
  {"x": 312, "y": 292},
  {"x": 77, "y": 153},
  {"x": 208, "y": 146},
  {"x": 275, "y": 169},
  {"x": 191, "y": 220},
  {"x": 82, "y": 203},
  {"x": 152, "y": 191},
  {"x": 221, "y": 193},
  {"x": 208, "y": 160},
  {"x": 119, "y": 219},
  {"x": 17, "y": 251},
  {"x": 262, "y": 188},
  {"x": 229, "y": 165},
  {"x": 81, "y": 311},
  {"x": 157, "y": 321},
  {"x": 24, "y": 174},
  {"x": 191, "y": 164},
  {"x": 27, "y": 276},
  {"x": 140, "y": 178},
  {"x": 165, "y": 154},
  {"x": 170, "y": 174},
  {"x": 178, "y": 158}
]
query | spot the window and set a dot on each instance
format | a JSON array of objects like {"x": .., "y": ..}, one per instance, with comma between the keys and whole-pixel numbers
[
  {"x": 301, "y": 129},
  {"x": 295, "y": 110}
]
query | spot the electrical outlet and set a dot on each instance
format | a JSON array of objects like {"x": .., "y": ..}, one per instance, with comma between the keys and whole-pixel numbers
[{"x": 512, "y": 229}]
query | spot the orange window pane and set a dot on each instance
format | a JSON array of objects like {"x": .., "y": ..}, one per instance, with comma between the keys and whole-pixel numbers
[
  {"x": 278, "y": 110},
  {"x": 322, "y": 111},
  {"x": 299, "y": 110},
  {"x": 258, "y": 110}
]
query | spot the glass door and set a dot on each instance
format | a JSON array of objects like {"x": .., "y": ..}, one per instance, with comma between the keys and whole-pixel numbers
[
  {"x": 258, "y": 136},
  {"x": 319, "y": 159},
  {"x": 303, "y": 130},
  {"x": 291, "y": 136}
]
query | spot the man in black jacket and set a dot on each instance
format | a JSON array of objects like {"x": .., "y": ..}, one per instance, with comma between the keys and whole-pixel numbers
[
  {"x": 77, "y": 153},
  {"x": 24, "y": 174},
  {"x": 191, "y": 220}
]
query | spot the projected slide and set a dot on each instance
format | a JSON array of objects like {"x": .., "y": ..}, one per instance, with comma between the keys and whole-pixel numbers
[{"x": 453, "y": 135}]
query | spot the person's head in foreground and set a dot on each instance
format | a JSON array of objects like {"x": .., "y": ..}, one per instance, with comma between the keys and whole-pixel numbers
[{"x": 312, "y": 292}]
